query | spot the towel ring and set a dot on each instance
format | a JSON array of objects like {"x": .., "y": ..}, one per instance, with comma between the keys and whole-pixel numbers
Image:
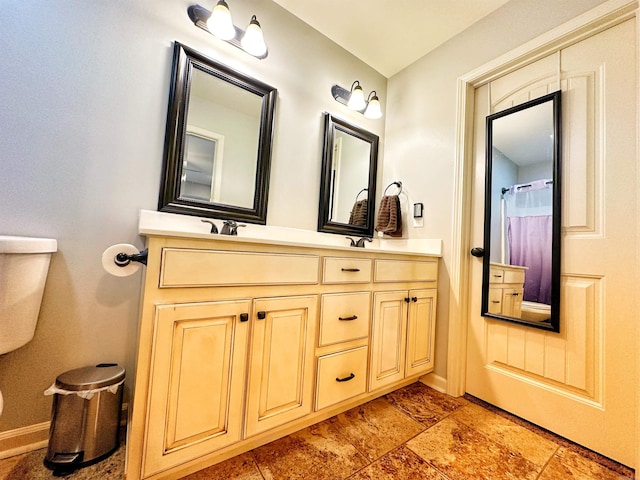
[
  {"x": 363, "y": 190},
  {"x": 397, "y": 184}
]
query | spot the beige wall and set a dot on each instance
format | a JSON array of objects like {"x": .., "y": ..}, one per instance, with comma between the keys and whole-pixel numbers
[
  {"x": 85, "y": 85},
  {"x": 420, "y": 142}
]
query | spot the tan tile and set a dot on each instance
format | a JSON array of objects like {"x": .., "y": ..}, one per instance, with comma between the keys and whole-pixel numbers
[
  {"x": 424, "y": 404},
  {"x": 580, "y": 467},
  {"x": 460, "y": 452},
  {"x": 242, "y": 467},
  {"x": 376, "y": 428},
  {"x": 399, "y": 464},
  {"x": 314, "y": 453},
  {"x": 516, "y": 438}
]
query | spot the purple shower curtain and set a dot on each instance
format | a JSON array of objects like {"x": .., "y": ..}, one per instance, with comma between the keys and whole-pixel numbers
[{"x": 530, "y": 245}]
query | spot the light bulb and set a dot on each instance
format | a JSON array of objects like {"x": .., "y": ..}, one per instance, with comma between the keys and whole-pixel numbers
[
  {"x": 356, "y": 100},
  {"x": 253, "y": 40},
  {"x": 373, "y": 108},
  {"x": 220, "y": 23}
]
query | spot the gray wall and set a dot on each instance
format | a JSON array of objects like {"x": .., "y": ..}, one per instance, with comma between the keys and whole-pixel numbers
[
  {"x": 420, "y": 137},
  {"x": 85, "y": 85}
]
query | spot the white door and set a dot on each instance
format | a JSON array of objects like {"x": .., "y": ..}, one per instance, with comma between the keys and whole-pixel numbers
[{"x": 579, "y": 383}]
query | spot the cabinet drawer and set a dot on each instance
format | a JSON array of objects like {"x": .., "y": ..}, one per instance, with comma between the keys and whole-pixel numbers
[
  {"x": 202, "y": 268},
  {"x": 496, "y": 275},
  {"x": 346, "y": 270},
  {"x": 350, "y": 367},
  {"x": 337, "y": 322},
  {"x": 514, "y": 276},
  {"x": 405, "y": 271}
]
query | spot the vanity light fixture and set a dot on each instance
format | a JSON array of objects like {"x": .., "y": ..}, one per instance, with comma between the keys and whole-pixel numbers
[
  {"x": 219, "y": 24},
  {"x": 355, "y": 100}
]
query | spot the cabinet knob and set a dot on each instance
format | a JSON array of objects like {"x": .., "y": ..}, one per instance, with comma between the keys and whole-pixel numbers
[
  {"x": 244, "y": 317},
  {"x": 414, "y": 299},
  {"x": 346, "y": 319},
  {"x": 407, "y": 299},
  {"x": 262, "y": 315},
  {"x": 346, "y": 379}
]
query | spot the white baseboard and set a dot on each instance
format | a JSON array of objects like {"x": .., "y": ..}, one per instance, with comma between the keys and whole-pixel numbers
[
  {"x": 34, "y": 437},
  {"x": 23, "y": 440},
  {"x": 435, "y": 381}
]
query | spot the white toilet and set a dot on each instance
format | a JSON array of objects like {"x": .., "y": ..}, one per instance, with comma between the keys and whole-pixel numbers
[{"x": 24, "y": 263}]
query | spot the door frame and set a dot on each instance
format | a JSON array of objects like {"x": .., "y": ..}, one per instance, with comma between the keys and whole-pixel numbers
[{"x": 592, "y": 22}]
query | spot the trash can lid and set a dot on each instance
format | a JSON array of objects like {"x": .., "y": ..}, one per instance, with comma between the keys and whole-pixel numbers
[{"x": 90, "y": 378}]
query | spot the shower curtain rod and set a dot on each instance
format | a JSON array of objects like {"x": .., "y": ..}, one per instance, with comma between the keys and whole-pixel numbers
[{"x": 505, "y": 190}]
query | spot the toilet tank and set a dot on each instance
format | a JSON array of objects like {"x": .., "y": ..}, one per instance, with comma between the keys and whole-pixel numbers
[{"x": 24, "y": 263}]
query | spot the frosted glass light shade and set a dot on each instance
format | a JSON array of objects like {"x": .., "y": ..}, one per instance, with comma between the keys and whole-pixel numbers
[
  {"x": 373, "y": 108},
  {"x": 220, "y": 23},
  {"x": 356, "y": 100},
  {"x": 253, "y": 41}
]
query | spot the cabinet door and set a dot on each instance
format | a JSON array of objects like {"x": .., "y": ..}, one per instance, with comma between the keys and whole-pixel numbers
[
  {"x": 512, "y": 301},
  {"x": 421, "y": 332},
  {"x": 388, "y": 335},
  {"x": 281, "y": 362},
  {"x": 197, "y": 380}
]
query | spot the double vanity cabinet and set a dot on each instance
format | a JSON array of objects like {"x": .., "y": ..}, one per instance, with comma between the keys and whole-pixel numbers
[{"x": 242, "y": 342}]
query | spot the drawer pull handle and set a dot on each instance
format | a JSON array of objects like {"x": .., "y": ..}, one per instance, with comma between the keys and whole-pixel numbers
[
  {"x": 350, "y": 269},
  {"x": 244, "y": 317},
  {"x": 515, "y": 294},
  {"x": 498, "y": 276},
  {"x": 346, "y": 319},
  {"x": 495, "y": 301},
  {"x": 346, "y": 379},
  {"x": 262, "y": 315}
]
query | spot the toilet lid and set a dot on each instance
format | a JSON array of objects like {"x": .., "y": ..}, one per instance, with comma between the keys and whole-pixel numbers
[
  {"x": 13, "y": 244},
  {"x": 90, "y": 378}
]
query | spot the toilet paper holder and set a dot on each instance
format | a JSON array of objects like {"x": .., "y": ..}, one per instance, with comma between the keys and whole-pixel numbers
[{"x": 123, "y": 259}]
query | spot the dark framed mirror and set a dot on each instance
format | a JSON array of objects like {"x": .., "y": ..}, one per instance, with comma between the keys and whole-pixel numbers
[
  {"x": 217, "y": 154},
  {"x": 348, "y": 179},
  {"x": 521, "y": 264}
]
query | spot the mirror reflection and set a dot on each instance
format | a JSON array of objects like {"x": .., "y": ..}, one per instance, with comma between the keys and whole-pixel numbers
[
  {"x": 347, "y": 190},
  {"x": 218, "y": 143},
  {"x": 522, "y": 221},
  {"x": 222, "y": 132}
]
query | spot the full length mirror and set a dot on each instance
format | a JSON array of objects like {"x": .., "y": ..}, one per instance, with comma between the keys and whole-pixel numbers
[
  {"x": 521, "y": 274},
  {"x": 348, "y": 181},
  {"x": 218, "y": 141}
]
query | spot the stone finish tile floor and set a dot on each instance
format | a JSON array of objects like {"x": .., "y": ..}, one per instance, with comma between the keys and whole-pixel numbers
[{"x": 414, "y": 433}]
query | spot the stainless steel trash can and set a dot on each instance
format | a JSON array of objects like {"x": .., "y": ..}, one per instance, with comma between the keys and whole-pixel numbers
[{"x": 85, "y": 416}]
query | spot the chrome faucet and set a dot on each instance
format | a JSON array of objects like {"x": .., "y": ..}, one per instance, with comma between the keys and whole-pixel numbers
[
  {"x": 360, "y": 242},
  {"x": 230, "y": 227}
]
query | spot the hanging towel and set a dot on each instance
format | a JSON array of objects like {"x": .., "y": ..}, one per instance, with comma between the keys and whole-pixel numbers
[
  {"x": 389, "y": 219},
  {"x": 358, "y": 214}
]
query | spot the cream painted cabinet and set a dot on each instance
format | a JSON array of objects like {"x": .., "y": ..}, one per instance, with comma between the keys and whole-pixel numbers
[
  {"x": 506, "y": 289},
  {"x": 241, "y": 343},
  {"x": 197, "y": 381},
  {"x": 280, "y": 385},
  {"x": 402, "y": 337}
]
